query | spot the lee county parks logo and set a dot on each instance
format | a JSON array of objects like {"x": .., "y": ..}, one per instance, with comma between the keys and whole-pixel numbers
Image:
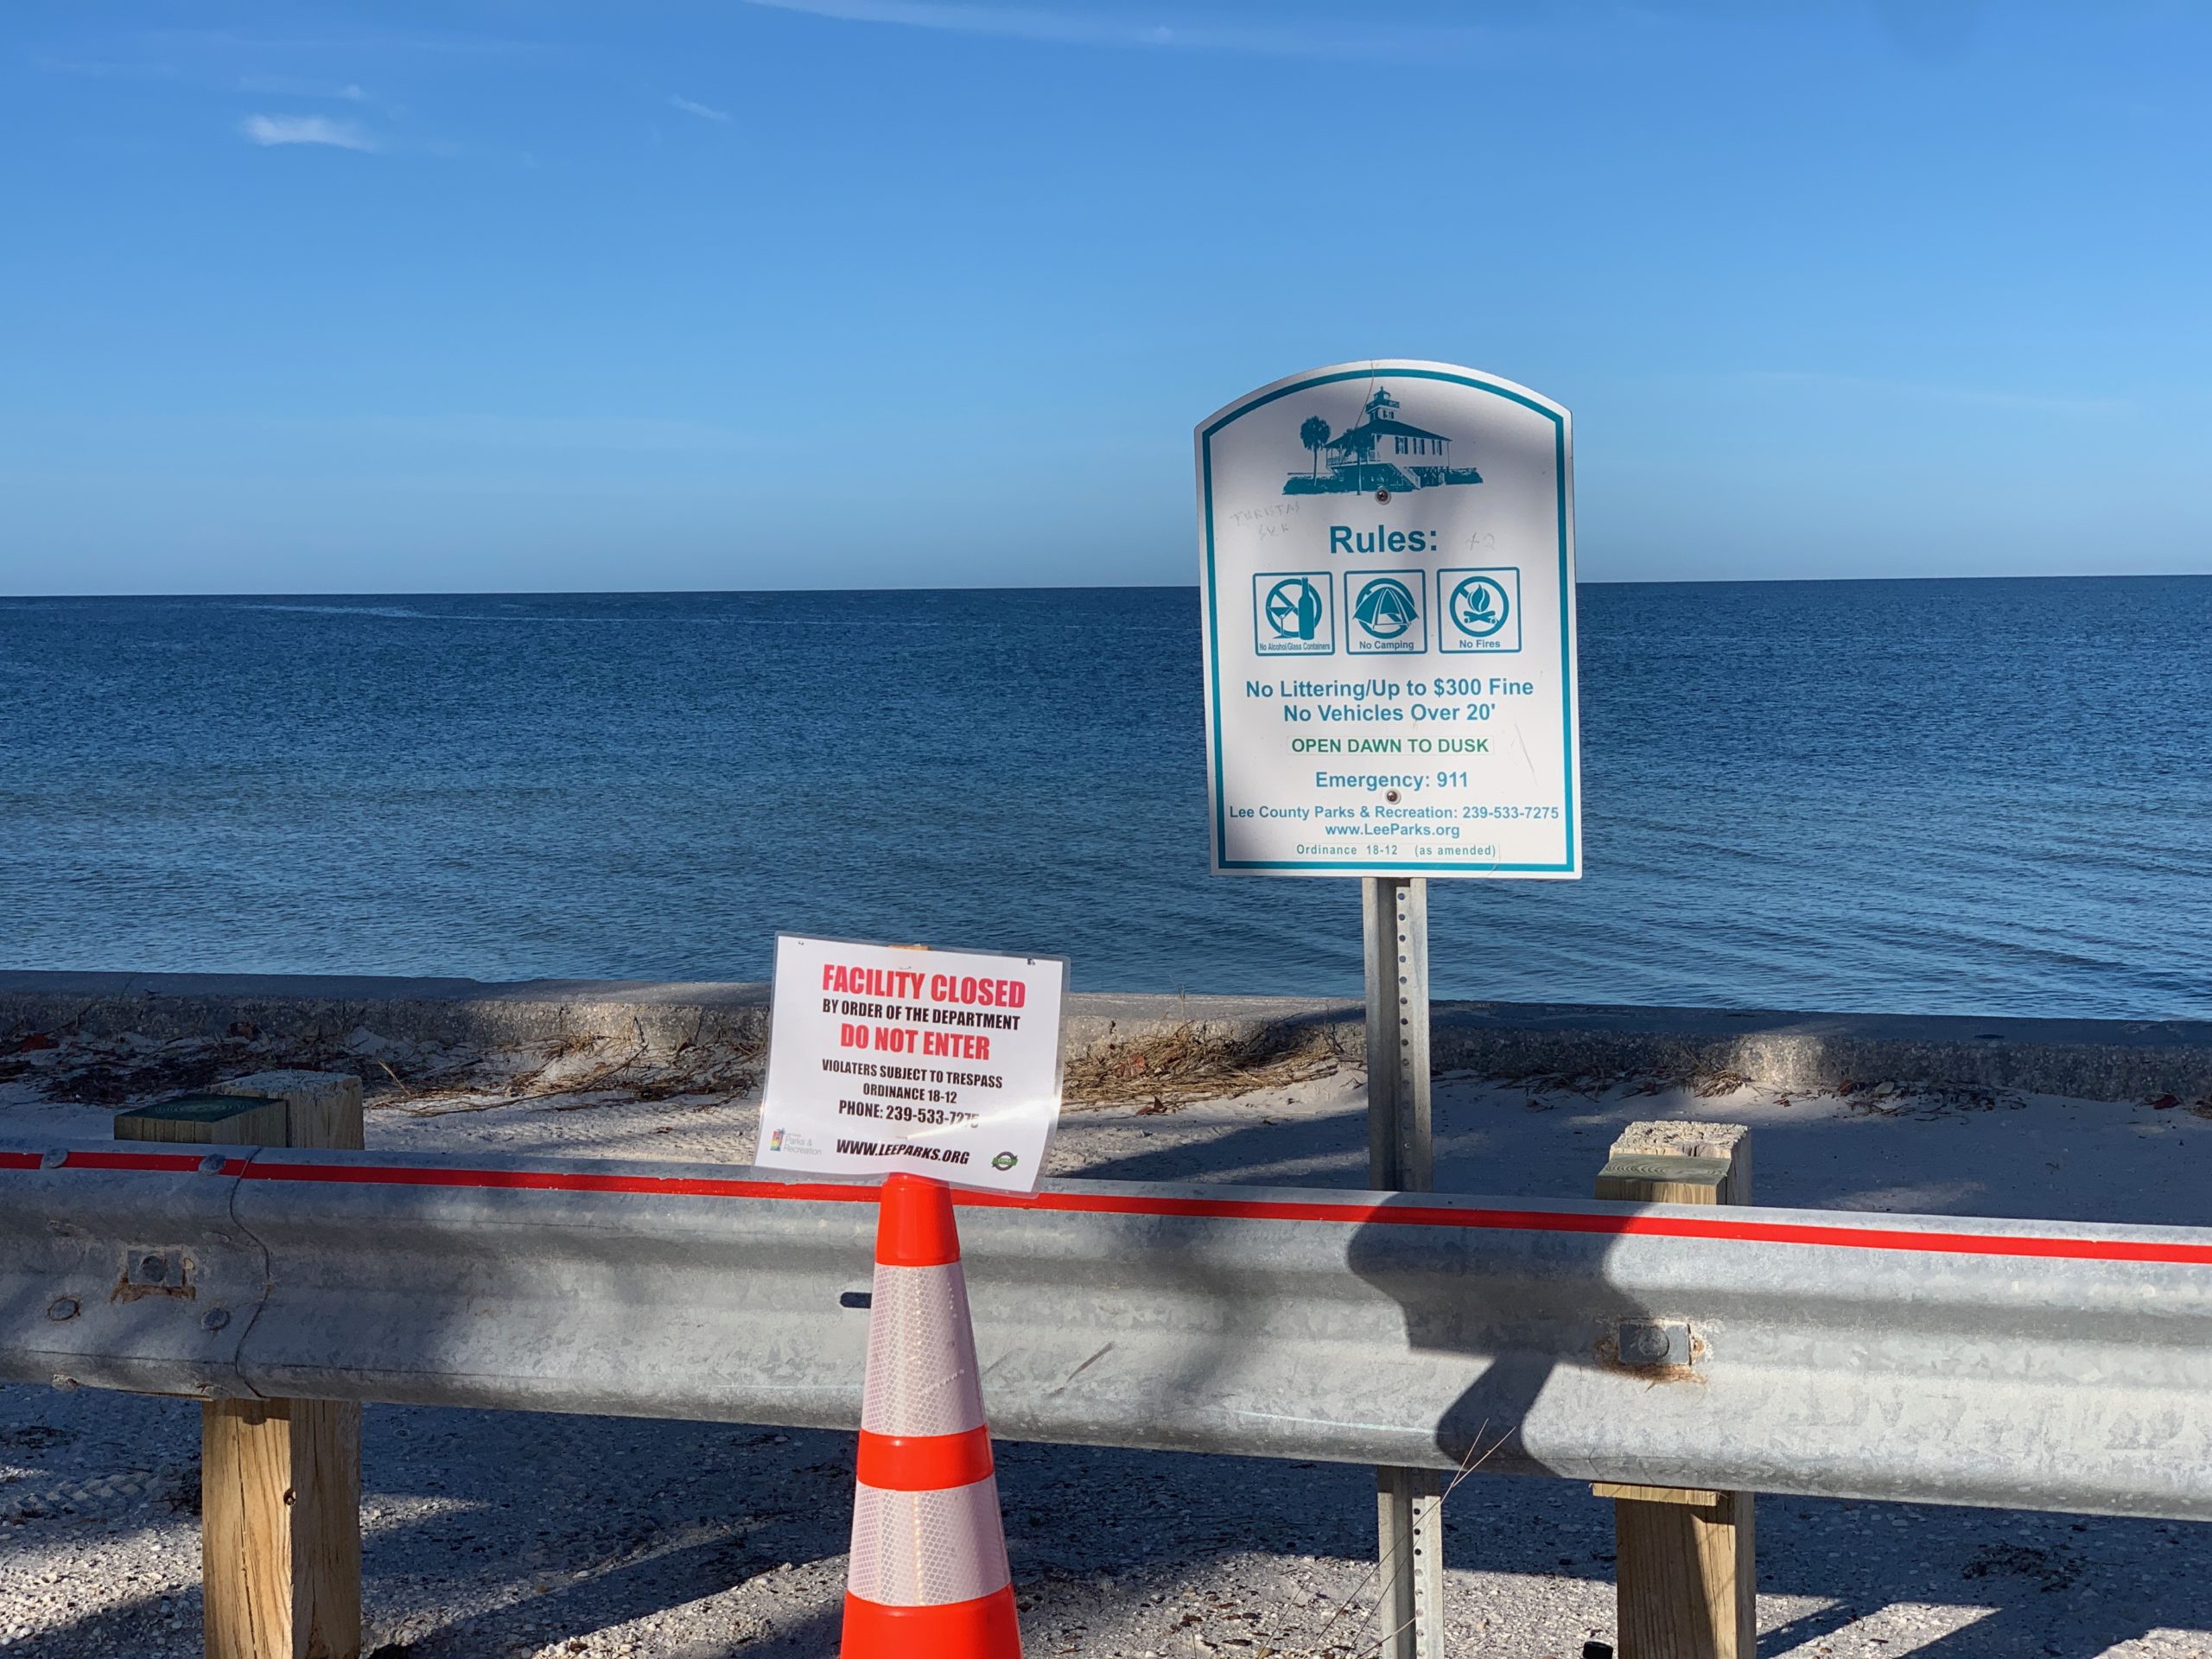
[
  {"x": 1380, "y": 453},
  {"x": 1005, "y": 1160},
  {"x": 1482, "y": 609},
  {"x": 788, "y": 1141},
  {"x": 1291, "y": 613},
  {"x": 1387, "y": 612}
]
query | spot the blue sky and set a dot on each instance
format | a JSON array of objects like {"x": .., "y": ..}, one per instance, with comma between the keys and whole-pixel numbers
[{"x": 821, "y": 293}]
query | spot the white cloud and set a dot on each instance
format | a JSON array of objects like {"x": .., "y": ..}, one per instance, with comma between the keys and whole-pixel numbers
[
  {"x": 1067, "y": 28},
  {"x": 613, "y": 433},
  {"x": 286, "y": 87},
  {"x": 1019, "y": 23},
  {"x": 267, "y": 130},
  {"x": 105, "y": 71},
  {"x": 701, "y": 111},
  {"x": 1936, "y": 391}
]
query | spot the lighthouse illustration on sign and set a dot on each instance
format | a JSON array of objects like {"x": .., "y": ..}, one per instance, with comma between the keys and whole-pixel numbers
[{"x": 1380, "y": 452}]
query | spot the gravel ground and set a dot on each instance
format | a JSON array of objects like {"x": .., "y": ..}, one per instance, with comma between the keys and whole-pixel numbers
[{"x": 500, "y": 1533}]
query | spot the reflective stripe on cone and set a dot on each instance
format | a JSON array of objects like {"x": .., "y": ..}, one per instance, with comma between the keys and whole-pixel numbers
[
  {"x": 922, "y": 1549},
  {"x": 921, "y": 1354}
]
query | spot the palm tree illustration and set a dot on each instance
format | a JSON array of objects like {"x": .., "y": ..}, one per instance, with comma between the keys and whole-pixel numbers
[{"x": 1313, "y": 433}]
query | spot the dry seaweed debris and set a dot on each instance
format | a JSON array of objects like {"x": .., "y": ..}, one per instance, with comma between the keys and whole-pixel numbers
[
  {"x": 1166, "y": 1072},
  {"x": 115, "y": 1071},
  {"x": 120, "y": 1069},
  {"x": 1923, "y": 1100},
  {"x": 1590, "y": 1084},
  {"x": 1598, "y": 1082},
  {"x": 581, "y": 1065}
]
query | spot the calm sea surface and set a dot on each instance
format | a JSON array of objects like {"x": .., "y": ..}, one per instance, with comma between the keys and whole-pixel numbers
[{"x": 1989, "y": 796}]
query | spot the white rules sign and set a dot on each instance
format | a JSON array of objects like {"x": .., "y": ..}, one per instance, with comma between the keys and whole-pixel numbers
[
  {"x": 1386, "y": 569},
  {"x": 885, "y": 1058}
]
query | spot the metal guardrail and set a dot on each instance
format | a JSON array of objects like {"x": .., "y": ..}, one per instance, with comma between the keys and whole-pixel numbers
[{"x": 2025, "y": 1364}]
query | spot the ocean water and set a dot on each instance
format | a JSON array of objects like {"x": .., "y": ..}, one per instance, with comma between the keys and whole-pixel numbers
[{"x": 1984, "y": 796}]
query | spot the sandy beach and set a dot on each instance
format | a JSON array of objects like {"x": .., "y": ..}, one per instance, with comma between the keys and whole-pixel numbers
[{"x": 514, "y": 1534}]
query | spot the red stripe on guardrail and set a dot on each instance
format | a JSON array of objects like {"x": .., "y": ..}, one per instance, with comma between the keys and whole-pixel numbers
[
  {"x": 560, "y": 1180},
  {"x": 1614, "y": 1224},
  {"x": 154, "y": 1163},
  {"x": 1617, "y": 1222}
]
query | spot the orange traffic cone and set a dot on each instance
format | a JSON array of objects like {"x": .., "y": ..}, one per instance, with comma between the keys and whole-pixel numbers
[{"x": 929, "y": 1577}]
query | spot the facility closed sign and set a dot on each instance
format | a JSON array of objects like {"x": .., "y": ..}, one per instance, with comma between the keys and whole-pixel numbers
[
  {"x": 883, "y": 1058},
  {"x": 1388, "y": 575}
]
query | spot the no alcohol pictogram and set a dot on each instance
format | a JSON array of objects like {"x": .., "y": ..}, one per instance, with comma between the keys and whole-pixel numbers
[
  {"x": 1294, "y": 608},
  {"x": 1291, "y": 613}
]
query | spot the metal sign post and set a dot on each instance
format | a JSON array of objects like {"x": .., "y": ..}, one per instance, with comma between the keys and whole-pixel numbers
[
  {"x": 1401, "y": 1157},
  {"x": 1386, "y": 569},
  {"x": 1394, "y": 917}
]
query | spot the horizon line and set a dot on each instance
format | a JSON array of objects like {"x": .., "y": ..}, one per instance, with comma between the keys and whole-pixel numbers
[{"x": 1048, "y": 588}]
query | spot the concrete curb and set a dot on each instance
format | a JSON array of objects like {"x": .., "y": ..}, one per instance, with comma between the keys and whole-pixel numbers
[{"x": 2097, "y": 1060}]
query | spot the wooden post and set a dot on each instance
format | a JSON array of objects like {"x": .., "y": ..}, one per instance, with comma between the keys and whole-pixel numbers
[
  {"x": 1688, "y": 1578},
  {"x": 280, "y": 1480}
]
